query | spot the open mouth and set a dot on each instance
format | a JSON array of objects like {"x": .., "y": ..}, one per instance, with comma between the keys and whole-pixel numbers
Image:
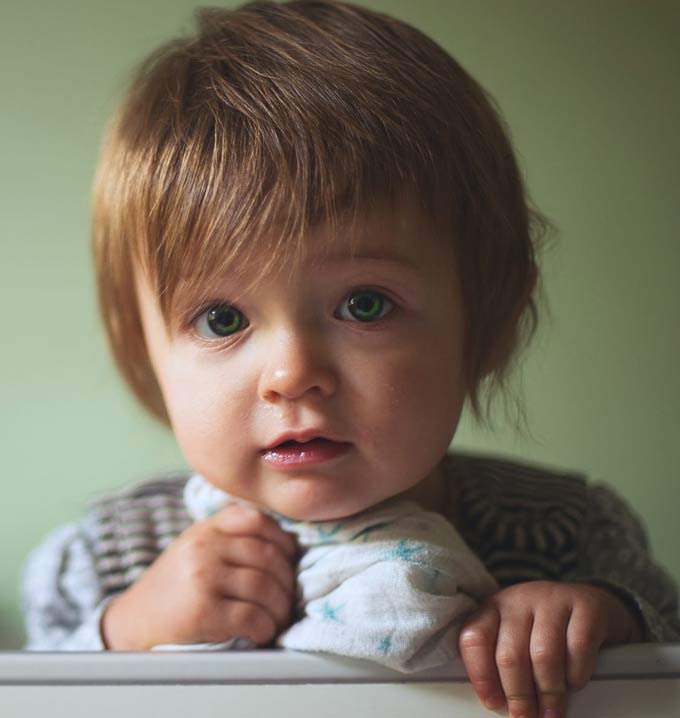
[
  {"x": 316, "y": 442},
  {"x": 292, "y": 453}
]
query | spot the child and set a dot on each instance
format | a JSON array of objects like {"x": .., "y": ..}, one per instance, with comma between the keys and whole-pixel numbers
[{"x": 313, "y": 246}]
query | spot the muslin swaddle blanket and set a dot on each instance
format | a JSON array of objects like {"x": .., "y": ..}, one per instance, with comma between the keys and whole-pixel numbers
[{"x": 392, "y": 584}]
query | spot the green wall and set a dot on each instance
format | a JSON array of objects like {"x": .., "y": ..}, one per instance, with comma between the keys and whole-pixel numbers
[{"x": 590, "y": 91}]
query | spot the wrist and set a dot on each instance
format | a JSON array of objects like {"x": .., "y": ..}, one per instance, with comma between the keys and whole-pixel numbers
[
  {"x": 115, "y": 628},
  {"x": 627, "y": 621},
  {"x": 637, "y": 623}
]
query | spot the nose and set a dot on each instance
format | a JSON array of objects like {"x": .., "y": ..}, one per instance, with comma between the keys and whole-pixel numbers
[{"x": 298, "y": 363}]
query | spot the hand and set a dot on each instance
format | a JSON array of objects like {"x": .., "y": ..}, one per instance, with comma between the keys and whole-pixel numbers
[
  {"x": 530, "y": 643},
  {"x": 230, "y": 575}
]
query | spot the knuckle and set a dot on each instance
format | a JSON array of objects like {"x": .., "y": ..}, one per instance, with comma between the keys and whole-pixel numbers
[
  {"x": 195, "y": 562},
  {"x": 509, "y": 658},
  {"x": 237, "y": 518},
  {"x": 475, "y": 636},
  {"x": 198, "y": 576},
  {"x": 192, "y": 541},
  {"x": 553, "y": 698},
  {"x": 282, "y": 612},
  {"x": 598, "y": 600},
  {"x": 544, "y": 655},
  {"x": 257, "y": 624},
  {"x": 578, "y": 681},
  {"x": 520, "y": 705},
  {"x": 484, "y": 684},
  {"x": 202, "y": 614},
  {"x": 194, "y": 546},
  {"x": 523, "y": 590},
  {"x": 270, "y": 552},
  {"x": 578, "y": 677},
  {"x": 253, "y": 520},
  {"x": 258, "y": 583},
  {"x": 583, "y": 645}
]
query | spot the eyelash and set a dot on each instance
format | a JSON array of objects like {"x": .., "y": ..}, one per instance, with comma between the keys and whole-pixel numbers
[{"x": 191, "y": 321}]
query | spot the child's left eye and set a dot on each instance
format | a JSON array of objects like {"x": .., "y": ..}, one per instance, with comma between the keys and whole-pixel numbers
[{"x": 365, "y": 305}]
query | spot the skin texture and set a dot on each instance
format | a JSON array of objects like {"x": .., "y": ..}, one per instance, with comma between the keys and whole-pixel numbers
[
  {"x": 392, "y": 388},
  {"x": 229, "y": 575},
  {"x": 529, "y": 643},
  {"x": 300, "y": 361}
]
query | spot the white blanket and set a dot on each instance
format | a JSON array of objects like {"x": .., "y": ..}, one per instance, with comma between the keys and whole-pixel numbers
[{"x": 392, "y": 584}]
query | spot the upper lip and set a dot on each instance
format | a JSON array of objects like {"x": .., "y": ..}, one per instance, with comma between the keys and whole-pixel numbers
[{"x": 300, "y": 436}]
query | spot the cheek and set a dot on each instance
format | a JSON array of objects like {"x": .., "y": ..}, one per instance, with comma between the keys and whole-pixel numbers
[
  {"x": 418, "y": 403},
  {"x": 205, "y": 413},
  {"x": 435, "y": 402}
]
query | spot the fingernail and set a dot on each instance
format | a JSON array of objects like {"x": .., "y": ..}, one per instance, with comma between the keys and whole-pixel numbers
[
  {"x": 494, "y": 702},
  {"x": 551, "y": 713}
]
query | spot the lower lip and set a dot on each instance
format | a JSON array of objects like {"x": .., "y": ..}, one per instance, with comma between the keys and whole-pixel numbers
[{"x": 309, "y": 454}]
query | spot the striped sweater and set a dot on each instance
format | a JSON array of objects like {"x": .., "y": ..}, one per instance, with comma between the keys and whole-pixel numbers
[{"x": 524, "y": 522}]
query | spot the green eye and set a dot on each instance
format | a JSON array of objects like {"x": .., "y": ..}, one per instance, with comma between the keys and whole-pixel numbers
[
  {"x": 221, "y": 320},
  {"x": 366, "y": 306}
]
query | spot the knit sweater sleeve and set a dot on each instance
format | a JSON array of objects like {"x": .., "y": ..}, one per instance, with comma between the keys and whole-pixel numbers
[
  {"x": 615, "y": 554},
  {"x": 79, "y": 568},
  {"x": 62, "y": 599}
]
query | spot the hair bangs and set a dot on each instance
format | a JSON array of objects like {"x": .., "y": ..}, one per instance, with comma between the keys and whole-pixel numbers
[
  {"x": 233, "y": 143},
  {"x": 229, "y": 169}
]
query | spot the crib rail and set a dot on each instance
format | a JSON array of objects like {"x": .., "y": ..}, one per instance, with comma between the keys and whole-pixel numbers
[
  {"x": 638, "y": 661},
  {"x": 632, "y": 681}
]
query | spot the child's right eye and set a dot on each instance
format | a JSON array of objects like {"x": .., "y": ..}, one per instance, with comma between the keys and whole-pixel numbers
[{"x": 219, "y": 321}]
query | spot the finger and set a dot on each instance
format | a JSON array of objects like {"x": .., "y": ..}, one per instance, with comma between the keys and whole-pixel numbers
[
  {"x": 585, "y": 635},
  {"x": 241, "y": 619},
  {"x": 514, "y": 663},
  {"x": 548, "y": 652},
  {"x": 258, "y": 587},
  {"x": 477, "y": 645},
  {"x": 256, "y": 553},
  {"x": 240, "y": 520}
]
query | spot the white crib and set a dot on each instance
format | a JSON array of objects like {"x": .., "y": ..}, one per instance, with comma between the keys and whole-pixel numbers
[{"x": 638, "y": 681}]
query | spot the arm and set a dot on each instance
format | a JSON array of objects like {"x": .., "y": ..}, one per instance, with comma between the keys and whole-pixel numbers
[
  {"x": 532, "y": 641},
  {"x": 615, "y": 555},
  {"x": 61, "y": 595},
  {"x": 227, "y": 576}
]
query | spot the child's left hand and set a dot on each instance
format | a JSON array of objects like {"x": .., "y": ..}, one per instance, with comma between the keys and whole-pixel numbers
[{"x": 530, "y": 643}]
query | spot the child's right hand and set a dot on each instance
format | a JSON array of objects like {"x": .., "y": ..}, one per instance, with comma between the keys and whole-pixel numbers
[{"x": 231, "y": 575}]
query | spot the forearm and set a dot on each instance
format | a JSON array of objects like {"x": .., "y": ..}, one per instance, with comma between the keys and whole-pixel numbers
[
  {"x": 53, "y": 633},
  {"x": 61, "y": 595},
  {"x": 615, "y": 556}
]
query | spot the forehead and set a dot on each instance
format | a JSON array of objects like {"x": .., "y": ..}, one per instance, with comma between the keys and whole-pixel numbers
[
  {"x": 394, "y": 236},
  {"x": 381, "y": 233}
]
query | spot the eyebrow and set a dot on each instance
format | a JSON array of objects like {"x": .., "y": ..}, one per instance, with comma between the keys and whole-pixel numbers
[
  {"x": 373, "y": 256},
  {"x": 183, "y": 302}
]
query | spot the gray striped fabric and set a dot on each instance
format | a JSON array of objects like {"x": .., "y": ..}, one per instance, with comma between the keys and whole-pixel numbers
[{"x": 524, "y": 522}]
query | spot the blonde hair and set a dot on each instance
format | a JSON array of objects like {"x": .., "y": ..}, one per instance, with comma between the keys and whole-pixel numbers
[{"x": 290, "y": 114}]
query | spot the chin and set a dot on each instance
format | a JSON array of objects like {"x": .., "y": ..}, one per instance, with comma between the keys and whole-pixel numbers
[
  {"x": 313, "y": 513},
  {"x": 320, "y": 510}
]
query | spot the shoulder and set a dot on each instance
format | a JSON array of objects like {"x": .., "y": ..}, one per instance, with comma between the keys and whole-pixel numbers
[
  {"x": 162, "y": 489},
  {"x": 82, "y": 563},
  {"x": 514, "y": 484},
  {"x": 522, "y": 519},
  {"x": 127, "y": 529}
]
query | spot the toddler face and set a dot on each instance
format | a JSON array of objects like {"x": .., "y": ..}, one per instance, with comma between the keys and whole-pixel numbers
[{"x": 320, "y": 393}]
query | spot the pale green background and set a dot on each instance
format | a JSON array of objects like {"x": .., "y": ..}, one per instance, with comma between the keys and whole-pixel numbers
[{"x": 590, "y": 91}]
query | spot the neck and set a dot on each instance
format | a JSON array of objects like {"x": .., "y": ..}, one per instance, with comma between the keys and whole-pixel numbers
[{"x": 431, "y": 493}]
